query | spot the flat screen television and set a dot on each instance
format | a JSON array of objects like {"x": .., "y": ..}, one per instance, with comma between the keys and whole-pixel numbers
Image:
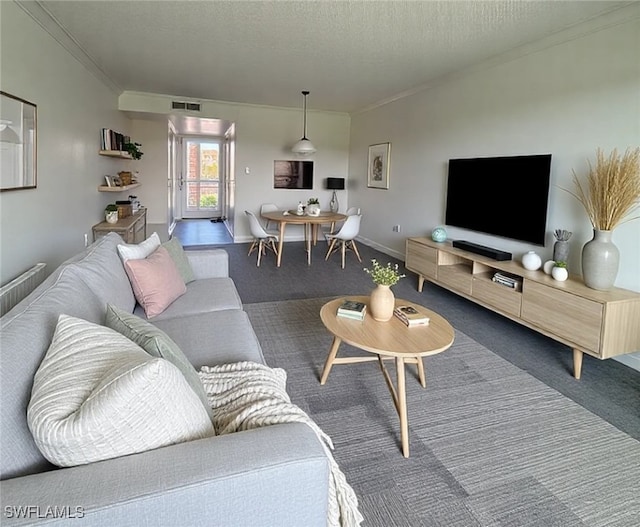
[{"x": 503, "y": 196}]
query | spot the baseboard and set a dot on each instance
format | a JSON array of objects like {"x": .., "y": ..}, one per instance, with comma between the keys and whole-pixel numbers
[
  {"x": 370, "y": 243},
  {"x": 632, "y": 360}
]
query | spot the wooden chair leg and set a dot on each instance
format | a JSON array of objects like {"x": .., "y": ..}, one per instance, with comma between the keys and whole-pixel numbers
[
  {"x": 355, "y": 250},
  {"x": 344, "y": 252},
  {"x": 251, "y": 249},
  {"x": 260, "y": 244},
  {"x": 331, "y": 246}
]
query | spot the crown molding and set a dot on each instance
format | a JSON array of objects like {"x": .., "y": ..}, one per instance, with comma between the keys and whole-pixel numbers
[{"x": 51, "y": 25}]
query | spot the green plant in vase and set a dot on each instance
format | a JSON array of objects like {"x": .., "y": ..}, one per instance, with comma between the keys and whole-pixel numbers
[
  {"x": 382, "y": 300},
  {"x": 111, "y": 213}
]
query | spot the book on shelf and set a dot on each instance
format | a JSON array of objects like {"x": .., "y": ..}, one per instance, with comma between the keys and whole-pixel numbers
[
  {"x": 508, "y": 280},
  {"x": 352, "y": 309},
  {"x": 411, "y": 316}
]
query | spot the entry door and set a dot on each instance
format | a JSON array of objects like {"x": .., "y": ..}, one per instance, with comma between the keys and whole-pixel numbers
[{"x": 201, "y": 178}]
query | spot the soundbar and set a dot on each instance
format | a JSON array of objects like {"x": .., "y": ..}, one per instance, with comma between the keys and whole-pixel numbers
[{"x": 489, "y": 252}]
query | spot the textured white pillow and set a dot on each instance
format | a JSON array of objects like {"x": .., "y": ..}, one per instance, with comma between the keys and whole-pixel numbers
[
  {"x": 97, "y": 395},
  {"x": 138, "y": 251}
]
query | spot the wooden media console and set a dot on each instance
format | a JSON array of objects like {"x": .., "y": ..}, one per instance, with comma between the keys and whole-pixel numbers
[{"x": 601, "y": 323}]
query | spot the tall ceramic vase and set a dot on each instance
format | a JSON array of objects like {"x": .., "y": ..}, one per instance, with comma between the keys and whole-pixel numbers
[
  {"x": 381, "y": 303},
  {"x": 600, "y": 259}
]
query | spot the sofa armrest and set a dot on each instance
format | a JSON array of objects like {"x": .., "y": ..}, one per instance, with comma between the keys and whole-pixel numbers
[
  {"x": 210, "y": 263},
  {"x": 276, "y": 475}
]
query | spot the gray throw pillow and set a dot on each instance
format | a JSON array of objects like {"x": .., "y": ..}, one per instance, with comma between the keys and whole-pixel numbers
[
  {"x": 158, "y": 344},
  {"x": 176, "y": 251}
]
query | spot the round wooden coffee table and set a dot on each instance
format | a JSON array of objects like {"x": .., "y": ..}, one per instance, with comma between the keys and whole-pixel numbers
[{"x": 387, "y": 340}]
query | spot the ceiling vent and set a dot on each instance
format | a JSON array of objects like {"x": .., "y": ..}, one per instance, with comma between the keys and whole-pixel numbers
[{"x": 187, "y": 106}]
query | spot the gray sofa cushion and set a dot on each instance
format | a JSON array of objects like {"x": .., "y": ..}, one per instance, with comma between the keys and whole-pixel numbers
[
  {"x": 214, "y": 338},
  {"x": 202, "y": 296},
  {"x": 101, "y": 269},
  {"x": 36, "y": 316},
  {"x": 158, "y": 344}
]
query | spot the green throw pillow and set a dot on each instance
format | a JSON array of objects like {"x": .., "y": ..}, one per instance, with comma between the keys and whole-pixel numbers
[
  {"x": 176, "y": 251},
  {"x": 158, "y": 344}
]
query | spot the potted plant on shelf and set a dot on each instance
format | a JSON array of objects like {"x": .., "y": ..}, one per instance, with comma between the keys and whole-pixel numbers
[
  {"x": 559, "y": 271},
  {"x": 134, "y": 150},
  {"x": 111, "y": 213},
  {"x": 313, "y": 207},
  {"x": 382, "y": 301}
]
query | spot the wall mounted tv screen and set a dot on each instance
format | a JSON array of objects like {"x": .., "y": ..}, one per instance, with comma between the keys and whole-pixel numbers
[
  {"x": 293, "y": 174},
  {"x": 504, "y": 196}
]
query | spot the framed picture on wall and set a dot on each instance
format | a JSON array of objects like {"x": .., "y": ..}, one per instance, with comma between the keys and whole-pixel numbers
[
  {"x": 17, "y": 143},
  {"x": 378, "y": 166}
]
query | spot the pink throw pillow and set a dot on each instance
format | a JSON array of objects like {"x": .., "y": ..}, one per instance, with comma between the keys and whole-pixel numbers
[{"x": 156, "y": 281}]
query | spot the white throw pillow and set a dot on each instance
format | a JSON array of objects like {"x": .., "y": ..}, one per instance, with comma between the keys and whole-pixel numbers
[
  {"x": 138, "y": 251},
  {"x": 97, "y": 395}
]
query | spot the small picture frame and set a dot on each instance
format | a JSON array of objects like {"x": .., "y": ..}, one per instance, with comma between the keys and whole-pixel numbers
[
  {"x": 116, "y": 181},
  {"x": 108, "y": 181},
  {"x": 378, "y": 166}
]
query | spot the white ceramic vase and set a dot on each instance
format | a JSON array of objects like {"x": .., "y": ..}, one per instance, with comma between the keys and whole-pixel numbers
[
  {"x": 560, "y": 273},
  {"x": 111, "y": 216},
  {"x": 548, "y": 266},
  {"x": 531, "y": 261},
  {"x": 600, "y": 260},
  {"x": 381, "y": 303},
  {"x": 313, "y": 209}
]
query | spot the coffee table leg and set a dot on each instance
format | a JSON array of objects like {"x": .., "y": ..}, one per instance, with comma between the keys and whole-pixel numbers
[
  {"x": 421, "y": 375},
  {"x": 402, "y": 407},
  {"x": 332, "y": 355}
]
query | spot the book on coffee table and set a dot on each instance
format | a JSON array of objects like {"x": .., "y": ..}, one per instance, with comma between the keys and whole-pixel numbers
[
  {"x": 352, "y": 309},
  {"x": 411, "y": 316}
]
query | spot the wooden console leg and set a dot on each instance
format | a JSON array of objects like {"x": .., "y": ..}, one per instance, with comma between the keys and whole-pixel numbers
[
  {"x": 420, "y": 283},
  {"x": 577, "y": 363}
]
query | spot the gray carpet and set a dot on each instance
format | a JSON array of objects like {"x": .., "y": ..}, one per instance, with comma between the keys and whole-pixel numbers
[{"x": 490, "y": 444}]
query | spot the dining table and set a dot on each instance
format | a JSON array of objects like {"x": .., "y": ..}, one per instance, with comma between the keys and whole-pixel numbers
[{"x": 310, "y": 223}]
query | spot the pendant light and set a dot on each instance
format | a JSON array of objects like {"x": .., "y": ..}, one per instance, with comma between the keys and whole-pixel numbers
[{"x": 304, "y": 147}]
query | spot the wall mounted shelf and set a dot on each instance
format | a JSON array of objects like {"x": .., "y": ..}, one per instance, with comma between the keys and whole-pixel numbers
[
  {"x": 104, "y": 188},
  {"x": 115, "y": 153}
]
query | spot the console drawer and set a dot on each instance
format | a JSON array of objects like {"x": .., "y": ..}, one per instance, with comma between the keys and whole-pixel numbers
[
  {"x": 500, "y": 297},
  {"x": 421, "y": 259},
  {"x": 456, "y": 276},
  {"x": 574, "y": 318}
]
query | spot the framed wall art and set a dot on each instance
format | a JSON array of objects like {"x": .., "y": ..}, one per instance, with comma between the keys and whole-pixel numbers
[
  {"x": 378, "y": 166},
  {"x": 18, "y": 127}
]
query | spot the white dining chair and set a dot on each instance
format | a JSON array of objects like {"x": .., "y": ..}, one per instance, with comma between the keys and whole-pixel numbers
[
  {"x": 333, "y": 228},
  {"x": 262, "y": 240},
  {"x": 268, "y": 207},
  {"x": 345, "y": 238}
]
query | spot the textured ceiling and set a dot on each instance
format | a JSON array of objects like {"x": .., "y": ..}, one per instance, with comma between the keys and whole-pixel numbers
[{"x": 348, "y": 54}]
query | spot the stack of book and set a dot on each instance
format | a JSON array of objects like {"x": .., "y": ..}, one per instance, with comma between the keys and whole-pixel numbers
[
  {"x": 411, "y": 316},
  {"x": 506, "y": 279},
  {"x": 352, "y": 309}
]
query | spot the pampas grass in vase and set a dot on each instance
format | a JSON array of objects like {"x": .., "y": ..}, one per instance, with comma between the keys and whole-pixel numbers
[{"x": 610, "y": 196}]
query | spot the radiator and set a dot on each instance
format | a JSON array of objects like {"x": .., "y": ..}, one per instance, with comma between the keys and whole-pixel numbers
[{"x": 20, "y": 287}]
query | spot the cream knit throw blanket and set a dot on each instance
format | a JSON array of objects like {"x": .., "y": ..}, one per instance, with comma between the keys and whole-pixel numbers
[{"x": 246, "y": 395}]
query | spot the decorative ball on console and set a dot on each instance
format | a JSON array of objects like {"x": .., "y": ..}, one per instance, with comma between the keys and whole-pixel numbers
[
  {"x": 531, "y": 261},
  {"x": 548, "y": 266},
  {"x": 439, "y": 234}
]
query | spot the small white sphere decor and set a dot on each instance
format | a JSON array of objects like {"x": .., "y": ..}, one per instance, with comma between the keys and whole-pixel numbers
[
  {"x": 531, "y": 261},
  {"x": 560, "y": 273},
  {"x": 548, "y": 266},
  {"x": 439, "y": 234}
]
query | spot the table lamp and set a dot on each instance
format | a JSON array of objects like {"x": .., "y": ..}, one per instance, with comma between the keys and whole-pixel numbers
[{"x": 335, "y": 183}]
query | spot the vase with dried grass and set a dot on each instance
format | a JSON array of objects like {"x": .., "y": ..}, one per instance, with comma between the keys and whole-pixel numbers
[{"x": 611, "y": 194}]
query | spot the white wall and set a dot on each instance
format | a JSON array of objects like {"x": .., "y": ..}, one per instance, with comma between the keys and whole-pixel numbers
[
  {"x": 48, "y": 223},
  {"x": 566, "y": 99},
  {"x": 263, "y": 134}
]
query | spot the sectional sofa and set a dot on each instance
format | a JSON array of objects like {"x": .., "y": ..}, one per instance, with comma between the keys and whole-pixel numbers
[{"x": 276, "y": 475}]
